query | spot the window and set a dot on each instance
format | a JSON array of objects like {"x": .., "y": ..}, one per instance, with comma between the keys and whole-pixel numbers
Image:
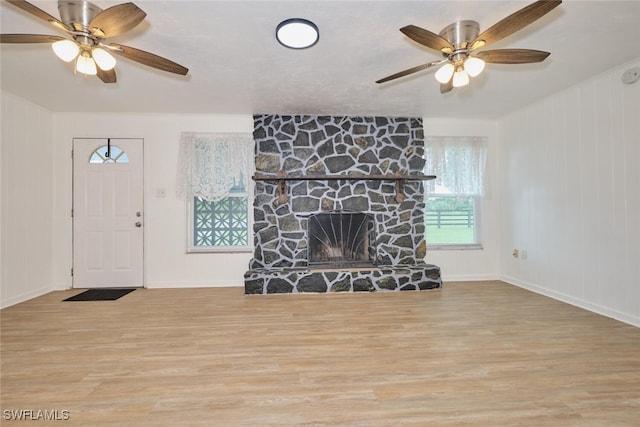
[
  {"x": 451, "y": 220},
  {"x": 453, "y": 199},
  {"x": 109, "y": 154},
  {"x": 223, "y": 223},
  {"x": 213, "y": 173}
]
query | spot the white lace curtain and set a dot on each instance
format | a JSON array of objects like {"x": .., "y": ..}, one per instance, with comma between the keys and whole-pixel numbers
[
  {"x": 209, "y": 164},
  {"x": 458, "y": 163}
]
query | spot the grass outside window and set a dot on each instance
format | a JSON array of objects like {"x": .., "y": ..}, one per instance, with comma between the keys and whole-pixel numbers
[{"x": 451, "y": 220}]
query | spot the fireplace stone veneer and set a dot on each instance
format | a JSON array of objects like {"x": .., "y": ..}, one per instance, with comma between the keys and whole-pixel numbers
[{"x": 319, "y": 145}]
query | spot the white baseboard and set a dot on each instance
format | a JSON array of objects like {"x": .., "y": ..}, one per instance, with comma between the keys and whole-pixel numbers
[
  {"x": 17, "y": 299},
  {"x": 569, "y": 299},
  {"x": 469, "y": 277},
  {"x": 206, "y": 284}
]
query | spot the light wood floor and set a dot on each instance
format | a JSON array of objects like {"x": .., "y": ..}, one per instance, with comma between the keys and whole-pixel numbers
[{"x": 473, "y": 354}]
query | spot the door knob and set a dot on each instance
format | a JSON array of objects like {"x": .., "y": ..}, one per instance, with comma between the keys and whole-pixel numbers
[{"x": 138, "y": 224}]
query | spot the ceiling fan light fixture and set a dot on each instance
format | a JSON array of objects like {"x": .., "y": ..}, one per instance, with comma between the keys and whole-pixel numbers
[
  {"x": 457, "y": 40},
  {"x": 444, "y": 74},
  {"x": 473, "y": 66},
  {"x": 297, "y": 33},
  {"x": 88, "y": 27},
  {"x": 460, "y": 78},
  {"x": 103, "y": 59},
  {"x": 85, "y": 64},
  {"x": 67, "y": 50}
]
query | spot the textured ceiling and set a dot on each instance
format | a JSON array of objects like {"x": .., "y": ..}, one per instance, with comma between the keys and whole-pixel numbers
[{"x": 237, "y": 66}]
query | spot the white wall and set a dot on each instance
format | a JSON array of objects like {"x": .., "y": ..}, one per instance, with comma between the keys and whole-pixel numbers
[
  {"x": 472, "y": 264},
  {"x": 570, "y": 196},
  {"x": 27, "y": 194},
  {"x": 165, "y": 219}
]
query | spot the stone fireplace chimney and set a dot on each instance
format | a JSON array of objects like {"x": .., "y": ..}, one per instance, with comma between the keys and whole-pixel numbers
[{"x": 302, "y": 224}]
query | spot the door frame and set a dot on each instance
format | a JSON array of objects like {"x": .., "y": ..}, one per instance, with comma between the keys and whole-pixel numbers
[{"x": 143, "y": 217}]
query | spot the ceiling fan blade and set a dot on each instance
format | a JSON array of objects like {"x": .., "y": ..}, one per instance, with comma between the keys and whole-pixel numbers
[
  {"x": 116, "y": 20},
  {"x": 409, "y": 71},
  {"x": 107, "y": 76},
  {"x": 28, "y": 38},
  {"x": 148, "y": 59},
  {"x": 39, "y": 13},
  {"x": 516, "y": 21},
  {"x": 446, "y": 87},
  {"x": 513, "y": 56},
  {"x": 426, "y": 38}
]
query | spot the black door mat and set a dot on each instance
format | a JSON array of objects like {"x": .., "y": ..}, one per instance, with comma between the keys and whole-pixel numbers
[{"x": 100, "y": 294}]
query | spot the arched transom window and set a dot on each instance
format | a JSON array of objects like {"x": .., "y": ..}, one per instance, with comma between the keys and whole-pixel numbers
[{"x": 109, "y": 154}]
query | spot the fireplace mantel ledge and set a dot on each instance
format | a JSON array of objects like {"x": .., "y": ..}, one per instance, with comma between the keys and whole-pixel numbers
[
  {"x": 399, "y": 178},
  {"x": 346, "y": 177}
]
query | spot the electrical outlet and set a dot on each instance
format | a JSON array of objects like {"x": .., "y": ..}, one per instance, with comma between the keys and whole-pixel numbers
[{"x": 516, "y": 253}]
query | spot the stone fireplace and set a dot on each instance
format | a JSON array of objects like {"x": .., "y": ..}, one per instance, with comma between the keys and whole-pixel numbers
[{"x": 335, "y": 207}]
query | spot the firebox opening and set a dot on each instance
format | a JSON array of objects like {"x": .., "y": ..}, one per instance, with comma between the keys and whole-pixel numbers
[{"x": 340, "y": 240}]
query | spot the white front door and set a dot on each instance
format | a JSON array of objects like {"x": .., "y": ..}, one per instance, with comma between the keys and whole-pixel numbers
[{"x": 107, "y": 213}]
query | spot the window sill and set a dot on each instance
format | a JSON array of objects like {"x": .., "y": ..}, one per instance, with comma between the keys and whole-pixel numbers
[
  {"x": 219, "y": 249},
  {"x": 454, "y": 247}
]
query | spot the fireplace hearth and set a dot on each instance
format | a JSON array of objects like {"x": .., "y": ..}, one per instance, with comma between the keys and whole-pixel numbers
[{"x": 328, "y": 234}]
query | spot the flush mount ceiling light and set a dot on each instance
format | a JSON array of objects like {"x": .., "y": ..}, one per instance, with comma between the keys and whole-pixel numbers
[{"x": 297, "y": 33}]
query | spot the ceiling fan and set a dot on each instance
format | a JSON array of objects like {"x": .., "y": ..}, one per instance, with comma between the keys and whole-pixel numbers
[
  {"x": 89, "y": 27},
  {"x": 457, "y": 41}
]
